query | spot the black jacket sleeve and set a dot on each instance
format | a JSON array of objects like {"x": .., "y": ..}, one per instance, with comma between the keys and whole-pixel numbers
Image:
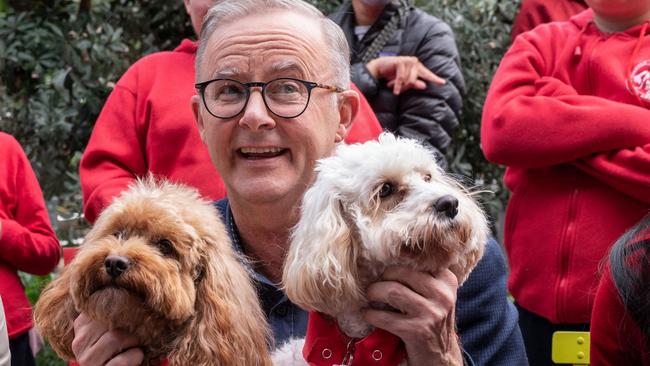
[{"x": 432, "y": 115}]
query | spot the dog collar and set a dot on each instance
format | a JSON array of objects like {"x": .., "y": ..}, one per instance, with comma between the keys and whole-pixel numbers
[{"x": 327, "y": 345}]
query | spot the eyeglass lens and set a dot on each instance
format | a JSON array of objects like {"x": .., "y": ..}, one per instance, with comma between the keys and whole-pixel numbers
[{"x": 284, "y": 97}]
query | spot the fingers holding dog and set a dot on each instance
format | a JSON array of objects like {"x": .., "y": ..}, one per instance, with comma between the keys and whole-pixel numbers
[
  {"x": 94, "y": 344},
  {"x": 130, "y": 357},
  {"x": 426, "y": 322}
]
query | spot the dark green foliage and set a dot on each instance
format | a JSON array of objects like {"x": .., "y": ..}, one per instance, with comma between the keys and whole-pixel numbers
[
  {"x": 60, "y": 60},
  {"x": 482, "y": 30}
]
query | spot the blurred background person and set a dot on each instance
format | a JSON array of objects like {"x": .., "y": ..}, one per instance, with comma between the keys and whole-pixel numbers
[
  {"x": 27, "y": 243},
  {"x": 620, "y": 322},
  {"x": 407, "y": 65}
]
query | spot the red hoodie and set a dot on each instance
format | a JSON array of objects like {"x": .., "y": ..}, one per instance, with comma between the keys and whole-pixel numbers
[
  {"x": 567, "y": 113},
  {"x": 616, "y": 339},
  {"x": 535, "y": 12},
  {"x": 27, "y": 241},
  {"x": 147, "y": 125}
]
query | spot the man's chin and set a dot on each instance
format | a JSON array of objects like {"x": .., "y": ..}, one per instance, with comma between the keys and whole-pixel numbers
[{"x": 266, "y": 190}]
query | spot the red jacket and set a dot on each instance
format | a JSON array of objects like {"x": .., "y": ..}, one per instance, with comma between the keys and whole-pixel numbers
[
  {"x": 27, "y": 241},
  {"x": 147, "y": 125},
  {"x": 567, "y": 113},
  {"x": 615, "y": 337},
  {"x": 326, "y": 345},
  {"x": 535, "y": 12}
]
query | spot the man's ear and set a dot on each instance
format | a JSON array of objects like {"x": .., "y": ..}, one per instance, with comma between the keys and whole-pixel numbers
[
  {"x": 348, "y": 109},
  {"x": 195, "y": 103}
]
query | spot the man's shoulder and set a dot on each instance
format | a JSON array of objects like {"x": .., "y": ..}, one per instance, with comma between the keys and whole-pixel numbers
[{"x": 490, "y": 272}]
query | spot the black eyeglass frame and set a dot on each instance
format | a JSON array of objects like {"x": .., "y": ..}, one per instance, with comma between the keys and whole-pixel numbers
[{"x": 200, "y": 88}]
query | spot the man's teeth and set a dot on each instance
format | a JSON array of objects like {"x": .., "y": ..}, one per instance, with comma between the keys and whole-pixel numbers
[{"x": 260, "y": 150}]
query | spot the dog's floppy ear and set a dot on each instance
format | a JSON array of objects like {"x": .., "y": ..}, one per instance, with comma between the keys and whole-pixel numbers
[
  {"x": 474, "y": 246},
  {"x": 229, "y": 327},
  {"x": 54, "y": 315},
  {"x": 320, "y": 271}
]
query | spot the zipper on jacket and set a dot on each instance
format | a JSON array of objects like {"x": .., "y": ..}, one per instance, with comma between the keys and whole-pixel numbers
[{"x": 565, "y": 258}]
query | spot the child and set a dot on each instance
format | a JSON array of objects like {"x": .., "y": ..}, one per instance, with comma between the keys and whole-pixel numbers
[
  {"x": 27, "y": 243},
  {"x": 568, "y": 114},
  {"x": 620, "y": 322}
]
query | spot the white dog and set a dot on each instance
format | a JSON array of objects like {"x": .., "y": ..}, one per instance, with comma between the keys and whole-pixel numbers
[{"x": 372, "y": 206}]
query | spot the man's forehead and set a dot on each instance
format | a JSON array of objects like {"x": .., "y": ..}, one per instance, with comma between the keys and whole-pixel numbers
[
  {"x": 280, "y": 66},
  {"x": 284, "y": 42}
]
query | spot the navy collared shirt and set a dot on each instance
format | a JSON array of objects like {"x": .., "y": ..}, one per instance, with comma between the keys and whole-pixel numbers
[{"x": 286, "y": 319}]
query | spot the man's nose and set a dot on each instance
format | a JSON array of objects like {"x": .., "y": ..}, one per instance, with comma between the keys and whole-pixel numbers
[{"x": 256, "y": 116}]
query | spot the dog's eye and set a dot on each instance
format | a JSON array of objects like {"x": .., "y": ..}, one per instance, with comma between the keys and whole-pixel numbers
[
  {"x": 165, "y": 246},
  {"x": 427, "y": 177},
  {"x": 119, "y": 234},
  {"x": 386, "y": 189}
]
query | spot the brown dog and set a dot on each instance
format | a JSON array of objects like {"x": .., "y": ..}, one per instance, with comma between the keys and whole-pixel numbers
[{"x": 159, "y": 264}]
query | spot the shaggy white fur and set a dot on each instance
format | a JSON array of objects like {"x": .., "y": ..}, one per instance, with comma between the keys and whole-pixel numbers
[{"x": 374, "y": 205}]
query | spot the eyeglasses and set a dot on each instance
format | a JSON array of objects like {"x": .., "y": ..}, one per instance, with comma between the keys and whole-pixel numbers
[{"x": 284, "y": 97}]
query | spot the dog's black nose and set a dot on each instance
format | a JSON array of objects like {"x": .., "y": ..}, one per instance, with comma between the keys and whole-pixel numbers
[
  {"x": 447, "y": 205},
  {"x": 116, "y": 265}
]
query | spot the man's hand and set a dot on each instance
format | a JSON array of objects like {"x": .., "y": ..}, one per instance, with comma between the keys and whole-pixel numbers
[
  {"x": 403, "y": 73},
  {"x": 94, "y": 344},
  {"x": 427, "y": 322}
]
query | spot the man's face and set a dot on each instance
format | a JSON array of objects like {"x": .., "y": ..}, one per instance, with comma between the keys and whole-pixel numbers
[
  {"x": 197, "y": 9},
  {"x": 261, "y": 157}
]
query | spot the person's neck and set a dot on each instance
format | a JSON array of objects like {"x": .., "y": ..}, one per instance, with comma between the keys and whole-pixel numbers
[
  {"x": 617, "y": 25},
  {"x": 366, "y": 14},
  {"x": 264, "y": 232}
]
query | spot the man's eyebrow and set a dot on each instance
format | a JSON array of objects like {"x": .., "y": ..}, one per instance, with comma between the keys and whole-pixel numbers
[
  {"x": 287, "y": 66},
  {"x": 228, "y": 73}
]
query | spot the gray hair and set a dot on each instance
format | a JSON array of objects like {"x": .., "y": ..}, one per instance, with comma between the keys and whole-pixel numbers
[{"x": 225, "y": 11}]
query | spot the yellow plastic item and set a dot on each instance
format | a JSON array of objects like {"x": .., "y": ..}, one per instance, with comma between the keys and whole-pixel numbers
[{"x": 570, "y": 348}]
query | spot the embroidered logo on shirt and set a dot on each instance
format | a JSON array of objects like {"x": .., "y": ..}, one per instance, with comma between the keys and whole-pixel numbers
[{"x": 640, "y": 80}]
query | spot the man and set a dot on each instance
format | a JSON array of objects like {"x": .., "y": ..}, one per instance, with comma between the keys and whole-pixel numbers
[
  {"x": 146, "y": 126},
  {"x": 264, "y": 133}
]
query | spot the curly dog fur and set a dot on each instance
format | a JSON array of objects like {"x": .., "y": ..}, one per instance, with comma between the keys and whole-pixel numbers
[{"x": 158, "y": 263}]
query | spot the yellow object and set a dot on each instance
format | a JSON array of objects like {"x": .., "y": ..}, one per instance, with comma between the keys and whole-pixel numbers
[{"x": 570, "y": 348}]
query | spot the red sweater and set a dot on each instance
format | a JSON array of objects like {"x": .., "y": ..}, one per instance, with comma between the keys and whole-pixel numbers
[
  {"x": 576, "y": 142},
  {"x": 147, "y": 125},
  {"x": 27, "y": 241},
  {"x": 615, "y": 338},
  {"x": 535, "y": 12}
]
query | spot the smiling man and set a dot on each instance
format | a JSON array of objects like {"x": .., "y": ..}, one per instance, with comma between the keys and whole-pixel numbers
[{"x": 272, "y": 79}]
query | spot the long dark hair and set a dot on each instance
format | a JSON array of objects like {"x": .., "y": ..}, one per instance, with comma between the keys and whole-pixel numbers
[{"x": 630, "y": 266}]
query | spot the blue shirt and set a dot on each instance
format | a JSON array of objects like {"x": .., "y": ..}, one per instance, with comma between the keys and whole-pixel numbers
[{"x": 487, "y": 321}]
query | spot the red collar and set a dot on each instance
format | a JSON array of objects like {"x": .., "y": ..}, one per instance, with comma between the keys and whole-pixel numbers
[{"x": 326, "y": 345}]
